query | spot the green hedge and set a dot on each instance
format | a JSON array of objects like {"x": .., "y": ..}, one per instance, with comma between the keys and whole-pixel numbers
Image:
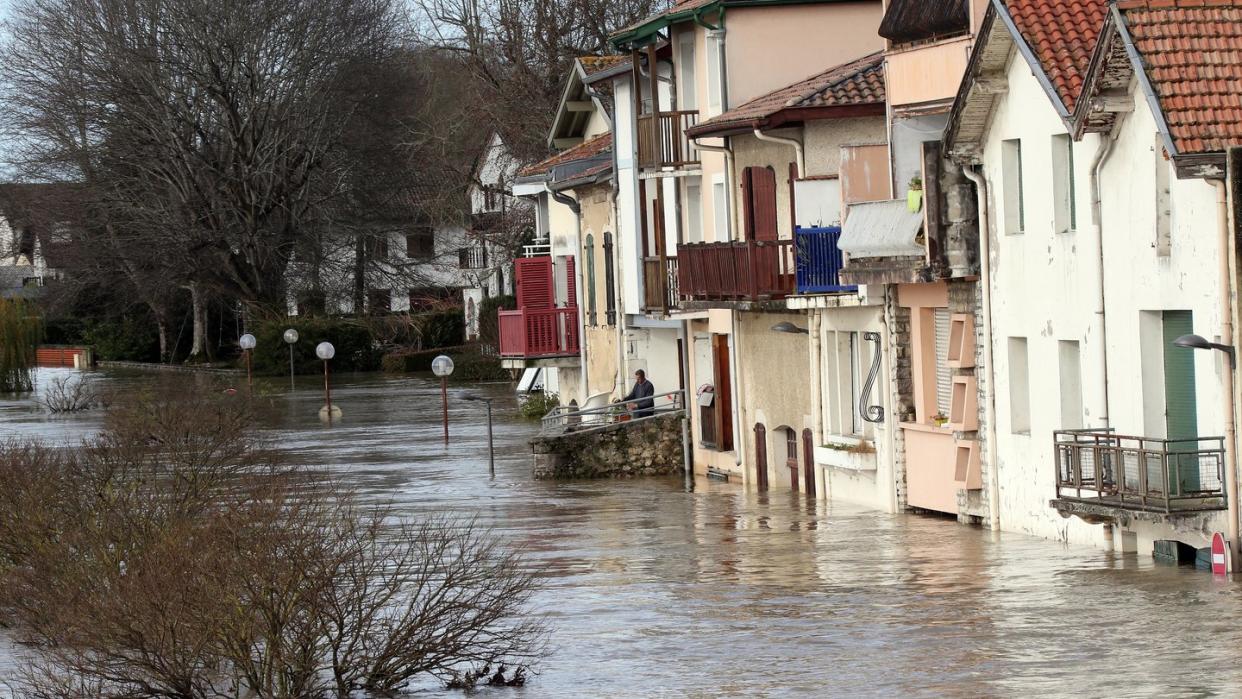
[
  {"x": 468, "y": 363},
  {"x": 353, "y": 340}
]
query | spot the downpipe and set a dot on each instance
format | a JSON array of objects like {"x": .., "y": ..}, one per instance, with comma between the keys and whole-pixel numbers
[
  {"x": 584, "y": 373},
  {"x": 989, "y": 401},
  {"x": 1097, "y": 215},
  {"x": 1225, "y": 255},
  {"x": 799, "y": 151}
]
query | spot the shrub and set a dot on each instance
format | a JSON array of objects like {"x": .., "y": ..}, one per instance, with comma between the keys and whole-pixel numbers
[
  {"x": 537, "y": 405},
  {"x": 489, "y": 326},
  {"x": 354, "y": 343},
  {"x": 132, "y": 337},
  {"x": 469, "y": 364}
]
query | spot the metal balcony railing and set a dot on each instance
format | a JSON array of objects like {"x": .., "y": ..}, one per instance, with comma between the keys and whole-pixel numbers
[
  {"x": 659, "y": 284},
  {"x": 1140, "y": 473},
  {"x": 571, "y": 417},
  {"x": 670, "y": 147},
  {"x": 536, "y": 333},
  {"x": 740, "y": 271},
  {"x": 819, "y": 261}
]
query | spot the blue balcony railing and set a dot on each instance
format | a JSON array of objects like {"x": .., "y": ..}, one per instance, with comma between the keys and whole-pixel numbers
[{"x": 819, "y": 261}]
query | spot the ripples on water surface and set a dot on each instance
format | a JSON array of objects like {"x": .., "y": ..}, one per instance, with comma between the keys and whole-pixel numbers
[{"x": 653, "y": 591}]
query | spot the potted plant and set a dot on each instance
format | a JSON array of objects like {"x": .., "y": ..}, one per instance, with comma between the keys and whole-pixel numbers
[
  {"x": 914, "y": 195},
  {"x": 940, "y": 419}
]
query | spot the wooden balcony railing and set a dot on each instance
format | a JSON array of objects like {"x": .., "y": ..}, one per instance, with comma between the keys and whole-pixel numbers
[
  {"x": 740, "y": 271},
  {"x": 670, "y": 147},
  {"x": 1140, "y": 473},
  {"x": 819, "y": 261},
  {"x": 535, "y": 333},
  {"x": 660, "y": 285}
]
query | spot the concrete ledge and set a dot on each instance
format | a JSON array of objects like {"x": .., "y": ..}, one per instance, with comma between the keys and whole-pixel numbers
[
  {"x": 647, "y": 447},
  {"x": 570, "y": 362}
]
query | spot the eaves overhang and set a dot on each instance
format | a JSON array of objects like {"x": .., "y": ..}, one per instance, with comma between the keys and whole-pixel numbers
[
  {"x": 647, "y": 31},
  {"x": 793, "y": 116}
]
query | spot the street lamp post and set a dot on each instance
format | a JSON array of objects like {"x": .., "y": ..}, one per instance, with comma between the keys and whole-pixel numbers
[
  {"x": 247, "y": 343},
  {"x": 491, "y": 451},
  {"x": 291, "y": 338},
  {"x": 325, "y": 351},
  {"x": 442, "y": 366}
]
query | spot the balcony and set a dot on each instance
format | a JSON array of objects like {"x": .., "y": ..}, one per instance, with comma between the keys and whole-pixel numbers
[
  {"x": 819, "y": 261},
  {"x": 660, "y": 286},
  {"x": 542, "y": 333},
  {"x": 1100, "y": 472},
  {"x": 737, "y": 271},
  {"x": 666, "y": 145}
]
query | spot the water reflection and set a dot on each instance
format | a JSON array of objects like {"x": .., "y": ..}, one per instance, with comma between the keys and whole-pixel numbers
[{"x": 654, "y": 591}]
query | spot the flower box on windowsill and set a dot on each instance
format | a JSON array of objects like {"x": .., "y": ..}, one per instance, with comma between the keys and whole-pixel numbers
[{"x": 846, "y": 453}]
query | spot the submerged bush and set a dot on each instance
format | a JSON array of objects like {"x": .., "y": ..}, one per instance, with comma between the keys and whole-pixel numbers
[
  {"x": 20, "y": 333},
  {"x": 174, "y": 556},
  {"x": 539, "y": 404}
]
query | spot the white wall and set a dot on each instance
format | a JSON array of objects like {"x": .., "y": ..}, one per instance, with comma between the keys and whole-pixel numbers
[{"x": 1045, "y": 289}]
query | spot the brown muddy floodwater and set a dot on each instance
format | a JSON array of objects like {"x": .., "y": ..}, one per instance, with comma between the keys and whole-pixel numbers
[{"x": 653, "y": 591}]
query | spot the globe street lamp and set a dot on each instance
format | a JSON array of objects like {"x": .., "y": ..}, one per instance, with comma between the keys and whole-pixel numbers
[
  {"x": 325, "y": 351},
  {"x": 491, "y": 451},
  {"x": 442, "y": 366},
  {"x": 247, "y": 343},
  {"x": 291, "y": 338}
]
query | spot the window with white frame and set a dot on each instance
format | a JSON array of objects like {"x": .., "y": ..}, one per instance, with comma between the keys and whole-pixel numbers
[
  {"x": 1064, "y": 196},
  {"x": 720, "y": 208},
  {"x": 694, "y": 210},
  {"x": 1019, "y": 387},
  {"x": 713, "y": 76},
  {"x": 1011, "y": 172},
  {"x": 689, "y": 88},
  {"x": 846, "y": 365}
]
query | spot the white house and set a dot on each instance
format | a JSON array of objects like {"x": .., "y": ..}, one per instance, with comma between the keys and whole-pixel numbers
[{"x": 486, "y": 260}]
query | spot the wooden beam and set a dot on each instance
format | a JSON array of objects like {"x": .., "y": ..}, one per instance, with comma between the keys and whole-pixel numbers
[
  {"x": 580, "y": 106},
  {"x": 1112, "y": 103},
  {"x": 563, "y": 143},
  {"x": 992, "y": 84}
]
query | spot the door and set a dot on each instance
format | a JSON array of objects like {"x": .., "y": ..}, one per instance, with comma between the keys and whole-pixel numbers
[
  {"x": 761, "y": 456},
  {"x": 724, "y": 392},
  {"x": 1180, "y": 413},
  {"x": 808, "y": 452},
  {"x": 759, "y": 203},
  {"x": 791, "y": 458}
]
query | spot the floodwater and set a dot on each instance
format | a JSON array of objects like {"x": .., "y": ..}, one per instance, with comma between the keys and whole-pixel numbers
[{"x": 653, "y": 591}]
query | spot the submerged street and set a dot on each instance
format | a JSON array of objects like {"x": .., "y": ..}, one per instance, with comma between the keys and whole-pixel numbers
[{"x": 654, "y": 591}]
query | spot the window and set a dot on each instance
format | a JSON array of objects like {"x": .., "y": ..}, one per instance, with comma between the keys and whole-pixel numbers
[
  {"x": 689, "y": 97},
  {"x": 377, "y": 247},
  {"x": 420, "y": 244},
  {"x": 1011, "y": 169},
  {"x": 474, "y": 257},
  {"x": 1164, "y": 202},
  {"x": 590, "y": 279},
  {"x": 1069, "y": 358},
  {"x": 610, "y": 294},
  {"x": 720, "y": 208},
  {"x": 1064, "y": 196},
  {"x": 847, "y": 362},
  {"x": 694, "y": 210},
  {"x": 943, "y": 323},
  {"x": 1019, "y": 387},
  {"x": 379, "y": 301},
  {"x": 714, "y": 105}
]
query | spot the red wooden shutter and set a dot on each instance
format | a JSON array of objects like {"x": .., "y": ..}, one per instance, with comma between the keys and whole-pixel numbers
[
  {"x": 761, "y": 456},
  {"x": 534, "y": 282},
  {"x": 571, "y": 284},
  {"x": 763, "y": 203},
  {"x": 793, "y": 200},
  {"x": 748, "y": 209}
]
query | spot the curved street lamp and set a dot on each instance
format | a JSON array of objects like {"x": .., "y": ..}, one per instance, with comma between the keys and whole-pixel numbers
[
  {"x": 247, "y": 343},
  {"x": 325, "y": 351},
  {"x": 291, "y": 338},
  {"x": 442, "y": 366}
]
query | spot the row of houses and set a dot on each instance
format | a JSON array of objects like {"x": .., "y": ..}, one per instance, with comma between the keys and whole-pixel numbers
[{"x": 932, "y": 256}]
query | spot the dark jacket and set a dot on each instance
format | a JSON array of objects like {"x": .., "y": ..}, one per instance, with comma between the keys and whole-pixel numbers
[{"x": 641, "y": 394}]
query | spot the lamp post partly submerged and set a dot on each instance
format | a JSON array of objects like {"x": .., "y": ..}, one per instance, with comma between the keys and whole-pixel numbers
[
  {"x": 291, "y": 338},
  {"x": 442, "y": 366},
  {"x": 325, "y": 351},
  {"x": 491, "y": 451},
  {"x": 247, "y": 343}
]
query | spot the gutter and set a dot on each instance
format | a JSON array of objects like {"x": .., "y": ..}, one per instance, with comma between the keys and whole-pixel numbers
[
  {"x": 1101, "y": 311},
  {"x": 1226, "y": 252}
]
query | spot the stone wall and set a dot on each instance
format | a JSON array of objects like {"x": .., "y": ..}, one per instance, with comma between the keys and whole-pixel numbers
[
  {"x": 648, "y": 447},
  {"x": 901, "y": 384}
]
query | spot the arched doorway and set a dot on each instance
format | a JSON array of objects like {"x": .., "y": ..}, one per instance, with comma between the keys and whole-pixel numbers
[
  {"x": 761, "y": 456},
  {"x": 791, "y": 457}
]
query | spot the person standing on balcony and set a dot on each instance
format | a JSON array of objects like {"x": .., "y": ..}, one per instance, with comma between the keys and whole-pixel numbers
[{"x": 640, "y": 397}]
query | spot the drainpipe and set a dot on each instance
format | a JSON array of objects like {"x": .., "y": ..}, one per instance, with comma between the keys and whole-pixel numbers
[
  {"x": 989, "y": 399},
  {"x": 816, "y": 398},
  {"x": 739, "y": 397},
  {"x": 1225, "y": 255},
  {"x": 687, "y": 451},
  {"x": 574, "y": 206},
  {"x": 799, "y": 153},
  {"x": 1101, "y": 156},
  {"x": 728, "y": 156}
]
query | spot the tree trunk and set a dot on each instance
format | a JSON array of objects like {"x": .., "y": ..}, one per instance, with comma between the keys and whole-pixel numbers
[
  {"x": 198, "y": 343},
  {"x": 162, "y": 325}
]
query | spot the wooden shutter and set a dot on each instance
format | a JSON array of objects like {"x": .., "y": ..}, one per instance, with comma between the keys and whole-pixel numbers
[
  {"x": 808, "y": 454},
  {"x": 944, "y": 374},
  {"x": 724, "y": 392},
  {"x": 763, "y": 203},
  {"x": 571, "y": 284},
  {"x": 1180, "y": 405},
  {"x": 533, "y": 276},
  {"x": 793, "y": 200},
  {"x": 761, "y": 456},
  {"x": 748, "y": 208}
]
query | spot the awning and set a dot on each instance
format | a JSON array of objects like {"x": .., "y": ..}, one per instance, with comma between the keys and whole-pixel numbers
[{"x": 882, "y": 229}]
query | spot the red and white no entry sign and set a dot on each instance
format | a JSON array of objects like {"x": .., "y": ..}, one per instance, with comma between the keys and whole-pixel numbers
[{"x": 1220, "y": 555}]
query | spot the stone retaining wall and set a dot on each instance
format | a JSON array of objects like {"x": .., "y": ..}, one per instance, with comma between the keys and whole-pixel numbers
[{"x": 648, "y": 447}]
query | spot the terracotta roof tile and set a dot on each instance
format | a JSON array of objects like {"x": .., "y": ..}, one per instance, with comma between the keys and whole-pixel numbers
[
  {"x": 1192, "y": 51},
  {"x": 858, "y": 82},
  {"x": 1062, "y": 34},
  {"x": 582, "y": 151},
  {"x": 598, "y": 64}
]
